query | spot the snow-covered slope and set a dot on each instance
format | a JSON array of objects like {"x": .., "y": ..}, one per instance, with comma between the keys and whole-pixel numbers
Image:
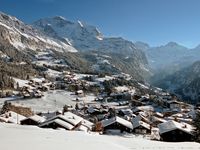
[
  {"x": 15, "y": 137},
  {"x": 16, "y": 33},
  {"x": 78, "y": 34}
]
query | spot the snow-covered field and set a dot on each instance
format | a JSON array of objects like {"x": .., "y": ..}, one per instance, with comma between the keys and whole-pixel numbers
[
  {"x": 52, "y": 101},
  {"x": 16, "y": 137}
]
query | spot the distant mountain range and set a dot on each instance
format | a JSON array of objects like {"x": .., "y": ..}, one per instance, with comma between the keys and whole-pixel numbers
[
  {"x": 175, "y": 68},
  {"x": 170, "y": 54}
]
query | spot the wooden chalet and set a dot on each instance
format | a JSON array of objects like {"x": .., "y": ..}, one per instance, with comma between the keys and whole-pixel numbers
[
  {"x": 117, "y": 123},
  {"x": 173, "y": 131},
  {"x": 32, "y": 120}
]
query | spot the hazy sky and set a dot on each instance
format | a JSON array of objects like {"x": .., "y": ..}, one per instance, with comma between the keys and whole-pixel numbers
[{"x": 153, "y": 21}]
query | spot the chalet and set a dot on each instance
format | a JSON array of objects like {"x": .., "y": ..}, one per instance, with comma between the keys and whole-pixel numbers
[
  {"x": 68, "y": 121},
  {"x": 155, "y": 134},
  {"x": 85, "y": 126},
  {"x": 38, "y": 94},
  {"x": 116, "y": 123},
  {"x": 125, "y": 112},
  {"x": 49, "y": 115},
  {"x": 140, "y": 127},
  {"x": 33, "y": 120},
  {"x": 79, "y": 93},
  {"x": 174, "y": 105},
  {"x": 173, "y": 131},
  {"x": 155, "y": 121},
  {"x": 136, "y": 103},
  {"x": 56, "y": 123},
  {"x": 121, "y": 96},
  {"x": 11, "y": 117}
]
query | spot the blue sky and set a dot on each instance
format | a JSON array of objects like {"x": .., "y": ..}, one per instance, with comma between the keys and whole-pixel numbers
[{"x": 153, "y": 21}]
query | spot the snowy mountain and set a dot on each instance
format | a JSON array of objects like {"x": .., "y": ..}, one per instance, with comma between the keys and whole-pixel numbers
[
  {"x": 75, "y": 43},
  {"x": 78, "y": 34},
  {"x": 21, "y": 36},
  {"x": 85, "y": 37},
  {"x": 88, "y": 38}
]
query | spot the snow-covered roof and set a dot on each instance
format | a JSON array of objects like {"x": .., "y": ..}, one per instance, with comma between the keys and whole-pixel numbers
[
  {"x": 87, "y": 124},
  {"x": 138, "y": 122},
  {"x": 82, "y": 128},
  {"x": 36, "y": 118},
  {"x": 158, "y": 119},
  {"x": 173, "y": 125},
  {"x": 71, "y": 118},
  {"x": 146, "y": 108},
  {"x": 121, "y": 121},
  {"x": 39, "y": 80},
  {"x": 59, "y": 122},
  {"x": 11, "y": 117}
]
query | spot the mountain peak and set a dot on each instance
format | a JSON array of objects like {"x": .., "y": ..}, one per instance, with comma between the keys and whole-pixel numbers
[
  {"x": 59, "y": 18},
  {"x": 172, "y": 44}
]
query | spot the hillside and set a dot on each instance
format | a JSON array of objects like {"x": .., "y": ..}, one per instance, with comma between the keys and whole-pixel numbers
[{"x": 58, "y": 39}]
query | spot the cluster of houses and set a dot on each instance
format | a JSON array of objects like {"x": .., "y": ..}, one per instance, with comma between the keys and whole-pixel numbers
[
  {"x": 138, "y": 120},
  {"x": 35, "y": 88}
]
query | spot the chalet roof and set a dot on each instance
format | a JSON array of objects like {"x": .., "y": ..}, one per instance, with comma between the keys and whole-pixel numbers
[
  {"x": 87, "y": 124},
  {"x": 117, "y": 119},
  {"x": 173, "y": 125},
  {"x": 126, "y": 111},
  {"x": 11, "y": 117},
  {"x": 138, "y": 122},
  {"x": 36, "y": 118},
  {"x": 39, "y": 80},
  {"x": 71, "y": 118},
  {"x": 82, "y": 128},
  {"x": 68, "y": 117},
  {"x": 144, "y": 108},
  {"x": 154, "y": 118},
  {"x": 60, "y": 122}
]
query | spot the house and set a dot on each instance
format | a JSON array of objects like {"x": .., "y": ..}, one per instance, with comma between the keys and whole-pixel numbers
[
  {"x": 32, "y": 120},
  {"x": 68, "y": 121},
  {"x": 173, "y": 131},
  {"x": 174, "y": 104},
  {"x": 140, "y": 127},
  {"x": 157, "y": 120},
  {"x": 80, "y": 93},
  {"x": 85, "y": 126},
  {"x": 116, "y": 123},
  {"x": 11, "y": 117},
  {"x": 49, "y": 115},
  {"x": 56, "y": 123},
  {"x": 125, "y": 112}
]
